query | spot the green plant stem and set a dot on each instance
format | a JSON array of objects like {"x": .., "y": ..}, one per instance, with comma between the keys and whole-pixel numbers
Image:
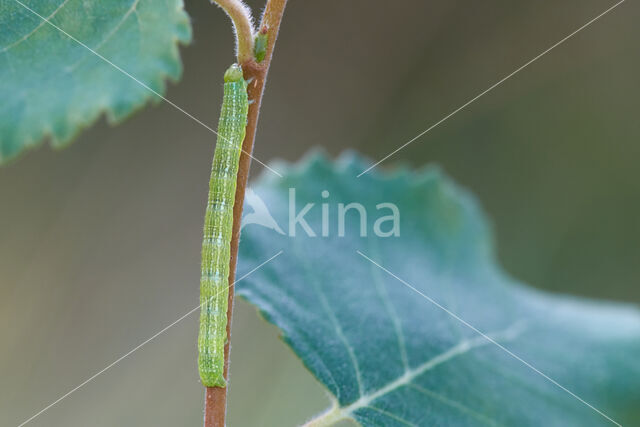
[
  {"x": 216, "y": 397},
  {"x": 241, "y": 17}
]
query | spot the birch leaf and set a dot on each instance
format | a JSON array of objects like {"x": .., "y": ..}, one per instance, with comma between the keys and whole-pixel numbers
[
  {"x": 390, "y": 355},
  {"x": 53, "y": 86}
]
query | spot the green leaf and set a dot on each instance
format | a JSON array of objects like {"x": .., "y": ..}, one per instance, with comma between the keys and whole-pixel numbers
[
  {"x": 52, "y": 86},
  {"x": 389, "y": 356}
]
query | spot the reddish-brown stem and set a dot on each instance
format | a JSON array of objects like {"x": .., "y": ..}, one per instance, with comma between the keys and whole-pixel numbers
[{"x": 216, "y": 397}]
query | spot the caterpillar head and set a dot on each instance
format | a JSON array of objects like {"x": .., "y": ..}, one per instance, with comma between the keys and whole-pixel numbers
[{"x": 233, "y": 74}]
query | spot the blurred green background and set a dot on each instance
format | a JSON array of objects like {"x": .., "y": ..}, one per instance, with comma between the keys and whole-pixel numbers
[{"x": 99, "y": 243}]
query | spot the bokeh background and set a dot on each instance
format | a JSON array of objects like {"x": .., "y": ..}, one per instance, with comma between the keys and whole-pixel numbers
[{"x": 99, "y": 243}]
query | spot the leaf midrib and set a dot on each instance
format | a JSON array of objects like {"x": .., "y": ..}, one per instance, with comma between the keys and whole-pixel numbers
[{"x": 338, "y": 413}]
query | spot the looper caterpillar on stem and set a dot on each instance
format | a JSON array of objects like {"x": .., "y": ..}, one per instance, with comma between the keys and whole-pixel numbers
[
  {"x": 256, "y": 73},
  {"x": 218, "y": 227}
]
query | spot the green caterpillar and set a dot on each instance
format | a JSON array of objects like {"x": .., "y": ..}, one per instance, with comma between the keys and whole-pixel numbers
[{"x": 218, "y": 223}]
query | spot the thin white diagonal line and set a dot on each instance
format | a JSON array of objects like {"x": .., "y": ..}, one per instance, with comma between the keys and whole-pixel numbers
[
  {"x": 118, "y": 360},
  {"x": 177, "y": 107},
  {"x": 499, "y": 82},
  {"x": 488, "y": 338}
]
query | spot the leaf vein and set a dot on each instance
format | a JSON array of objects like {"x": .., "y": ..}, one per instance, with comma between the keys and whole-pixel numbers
[
  {"x": 40, "y": 25},
  {"x": 457, "y": 405},
  {"x": 114, "y": 30},
  {"x": 393, "y": 315},
  {"x": 334, "y": 321},
  {"x": 461, "y": 348},
  {"x": 392, "y": 416}
]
